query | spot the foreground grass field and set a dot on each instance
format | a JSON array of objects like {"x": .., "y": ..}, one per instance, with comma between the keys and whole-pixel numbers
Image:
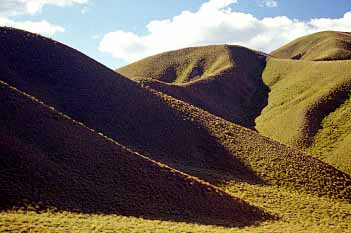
[{"x": 297, "y": 212}]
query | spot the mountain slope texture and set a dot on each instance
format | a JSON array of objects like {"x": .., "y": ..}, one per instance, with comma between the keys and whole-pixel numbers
[
  {"x": 157, "y": 125},
  {"x": 80, "y": 170},
  {"x": 321, "y": 46}
]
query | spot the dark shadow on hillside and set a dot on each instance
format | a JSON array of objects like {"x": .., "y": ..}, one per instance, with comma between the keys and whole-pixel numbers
[
  {"x": 237, "y": 95},
  {"x": 102, "y": 178},
  {"x": 111, "y": 104}
]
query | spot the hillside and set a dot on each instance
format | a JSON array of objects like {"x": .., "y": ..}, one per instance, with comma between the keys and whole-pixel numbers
[
  {"x": 224, "y": 80},
  {"x": 321, "y": 46},
  {"x": 307, "y": 107},
  {"x": 284, "y": 99},
  {"x": 50, "y": 160},
  {"x": 157, "y": 125}
]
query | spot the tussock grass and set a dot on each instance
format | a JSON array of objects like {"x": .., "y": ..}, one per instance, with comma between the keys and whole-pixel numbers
[
  {"x": 276, "y": 163},
  {"x": 303, "y": 94},
  {"x": 181, "y": 66},
  {"x": 79, "y": 156},
  {"x": 328, "y": 45},
  {"x": 228, "y": 84},
  {"x": 76, "y": 169},
  {"x": 157, "y": 125},
  {"x": 298, "y": 212}
]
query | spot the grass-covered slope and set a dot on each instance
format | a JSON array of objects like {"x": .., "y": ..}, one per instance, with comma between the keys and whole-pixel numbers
[
  {"x": 110, "y": 103},
  {"x": 275, "y": 163},
  {"x": 327, "y": 45},
  {"x": 51, "y": 161},
  {"x": 155, "y": 124},
  {"x": 307, "y": 107},
  {"x": 181, "y": 66},
  {"x": 297, "y": 212},
  {"x": 301, "y": 94},
  {"x": 224, "y": 80}
]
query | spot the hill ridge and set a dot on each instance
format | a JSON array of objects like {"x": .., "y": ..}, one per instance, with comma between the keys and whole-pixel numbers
[
  {"x": 233, "y": 211},
  {"x": 320, "y": 46}
]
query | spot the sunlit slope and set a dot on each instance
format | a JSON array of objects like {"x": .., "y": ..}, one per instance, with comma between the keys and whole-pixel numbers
[
  {"x": 158, "y": 125},
  {"x": 275, "y": 163},
  {"x": 224, "y": 80},
  {"x": 328, "y": 45},
  {"x": 308, "y": 107},
  {"x": 49, "y": 160},
  {"x": 181, "y": 66}
]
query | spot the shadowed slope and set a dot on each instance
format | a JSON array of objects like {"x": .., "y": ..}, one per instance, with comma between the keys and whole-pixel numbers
[
  {"x": 224, "y": 80},
  {"x": 328, "y": 45},
  {"x": 157, "y": 125},
  {"x": 49, "y": 160},
  {"x": 118, "y": 107},
  {"x": 276, "y": 163}
]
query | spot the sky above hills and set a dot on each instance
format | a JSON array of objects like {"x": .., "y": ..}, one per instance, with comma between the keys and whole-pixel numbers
[{"x": 117, "y": 32}]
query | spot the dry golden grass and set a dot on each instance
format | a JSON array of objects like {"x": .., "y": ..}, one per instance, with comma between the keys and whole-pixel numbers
[
  {"x": 154, "y": 126},
  {"x": 303, "y": 95},
  {"x": 298, "y": 212},
  {"x": 228, "y": 82},
  {"x": 328, "y": 45},
  {"x": 49, "y": 160}
]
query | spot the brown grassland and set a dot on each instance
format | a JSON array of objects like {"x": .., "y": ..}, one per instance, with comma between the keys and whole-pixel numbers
[{"x": 192, "y": 141}]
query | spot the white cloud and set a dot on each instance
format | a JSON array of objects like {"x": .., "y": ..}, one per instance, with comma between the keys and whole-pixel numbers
[
  {"x": 269, "y": 3},
  {"x": 214, "y": 23},
  {"x": 41, "y": 27},
  {"x": 16, "y": 7},
  {"x": 9, "y": 8}
]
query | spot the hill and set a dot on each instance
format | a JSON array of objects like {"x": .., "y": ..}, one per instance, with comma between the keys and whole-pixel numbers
[
  {"x": 284, "y": 99},
  {"x": 224, "y": 80},
  {"x": 321, "y": 46},
  {"x": 51, "y": 161},
  {"x": 155, "y": 124},
  {"x": 307, "y": 107}
]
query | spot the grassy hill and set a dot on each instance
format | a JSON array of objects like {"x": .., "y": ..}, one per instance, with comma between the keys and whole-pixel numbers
[
  {"x": 224, "y": 80},
  {"x": 153, "y": 125},
  {"x": 301, "y": 93},
  {"x": 307, "y": 107},
  {"x": 157, "y": 125},
  {"x": 321, "y": 46},
  {"x": 51, "y": 161}
]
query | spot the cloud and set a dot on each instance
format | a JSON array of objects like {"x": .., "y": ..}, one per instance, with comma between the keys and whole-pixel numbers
[
  {"x": 214, "y": 23},
  {"x": 10, "y": 8},
  {"x": 41, "y": 27},
  {"x": 269, "y": 3},
  {"x": 18, "y": 7}
]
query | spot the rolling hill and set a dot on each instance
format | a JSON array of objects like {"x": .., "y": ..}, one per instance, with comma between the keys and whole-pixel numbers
[
  {"x": 157, "y": 125},
  {"x": 49, "y": 160},
  {"x": 300, "y": 103},
  {"x": 320, "y": 46},
  {"x": 307, "y": 107},
  {"x": 224, "y": 80}
]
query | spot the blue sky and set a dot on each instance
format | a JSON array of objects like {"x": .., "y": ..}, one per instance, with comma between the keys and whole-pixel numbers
[{"x": 117, "y": 32}]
